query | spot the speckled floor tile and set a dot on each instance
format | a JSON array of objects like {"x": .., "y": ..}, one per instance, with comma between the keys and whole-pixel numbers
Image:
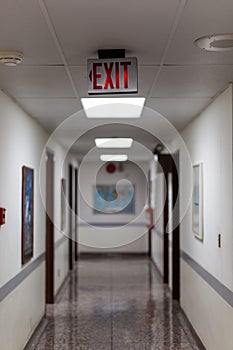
[
  {"x": 115, "y": 304},
  {"x": 149, "y": 346},
  {"x": 82, "y": 346}
]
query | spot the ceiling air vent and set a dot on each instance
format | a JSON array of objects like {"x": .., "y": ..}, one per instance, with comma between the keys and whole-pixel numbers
[{"x": 11, "y": 58}]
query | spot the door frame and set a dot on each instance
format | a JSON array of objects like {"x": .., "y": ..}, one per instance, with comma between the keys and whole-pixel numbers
[
  {"x": 149, "y": 204},
  {"x": 166, "y": 165},
  {"x": 76, "y": 213},
  {"x": 70, "y": 217},
  {"x": 170, "y": 165},
  {"x": 49, "y": 235},
  {"x": 176, "y": 230}
]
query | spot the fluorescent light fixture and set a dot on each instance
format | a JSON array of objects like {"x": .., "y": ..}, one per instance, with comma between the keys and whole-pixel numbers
[
  {"x": 113, "y": 157},
  {"x": 115, "y": 107},
  {"x": 115, "y": 142}
]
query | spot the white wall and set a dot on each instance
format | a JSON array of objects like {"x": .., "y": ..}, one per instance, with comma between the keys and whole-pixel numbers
[
  {"x": 209, "y": 140},
  {"x": 107, "y": 237},
  {"x": 21, "y": 142}
]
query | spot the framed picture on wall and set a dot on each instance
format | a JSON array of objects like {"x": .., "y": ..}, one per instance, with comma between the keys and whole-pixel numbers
[
  {"x": 111, "y": 200},
  {"x": 27, "y": 213},
  {"x": 63, "y": 204},
  {"x": 197, "y": 201}
]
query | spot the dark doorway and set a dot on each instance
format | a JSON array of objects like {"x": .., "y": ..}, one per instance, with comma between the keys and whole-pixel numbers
[
  {"x": 166, "y": 166},
  {"x": 170, "y": 166},
  {"x": 71, "y": 216},
  {"x": 149, "y": 204},
  {"x": 49, "y": 228},
  {"x": 176, "y": 230},
  {"x": 76, "y": 214},
  {"x": 73, "y": 212}
]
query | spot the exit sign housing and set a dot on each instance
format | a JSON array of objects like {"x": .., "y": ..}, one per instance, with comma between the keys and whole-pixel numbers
[{"x": 112, "y": 76}]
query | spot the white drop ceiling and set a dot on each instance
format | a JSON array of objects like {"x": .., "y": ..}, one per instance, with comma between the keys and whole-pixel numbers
[{"x": 57, "y": 37}]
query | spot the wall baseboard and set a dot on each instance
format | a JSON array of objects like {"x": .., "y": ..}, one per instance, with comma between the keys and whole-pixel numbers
[
  {"x": 35, "y": 338},
  {"x": 123, "y": 255},
  {"x": 61, "y": 288},
  {"x": 156, "y": 268},
  {"x": 188, "y": 328},
  {"x": 11, "y": 285},
  {"x": 214, "y": 283}
]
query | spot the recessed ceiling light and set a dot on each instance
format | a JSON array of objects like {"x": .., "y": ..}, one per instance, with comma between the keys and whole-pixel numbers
[
  {"x": 218, "y": 42},
  {"x": 113, "y": 157},
  {"x": 125, "y": 107},
  {"x": 11, "y": 58},
  {"x": 115, "y": 142}
]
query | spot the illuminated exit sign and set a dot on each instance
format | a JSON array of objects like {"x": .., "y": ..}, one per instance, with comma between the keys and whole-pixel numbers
[{"x": 117, "y": 75}]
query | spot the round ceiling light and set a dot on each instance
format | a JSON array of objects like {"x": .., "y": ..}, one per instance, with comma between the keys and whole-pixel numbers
[
  {"x": 218, "y": 42},
  {"x": 11, "y": 58}
]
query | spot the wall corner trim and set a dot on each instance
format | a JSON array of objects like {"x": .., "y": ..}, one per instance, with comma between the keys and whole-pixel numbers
[
  {"x": 219, "y": 288},
  {"x": 7, "y": 288}
]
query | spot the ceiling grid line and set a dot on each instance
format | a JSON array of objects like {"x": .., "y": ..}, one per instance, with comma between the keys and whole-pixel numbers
[
  {"x": 175, "y": 24},
  {"x": 54, "y": 36}
]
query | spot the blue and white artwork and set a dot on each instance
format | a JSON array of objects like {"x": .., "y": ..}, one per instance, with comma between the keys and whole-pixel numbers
[
  {"x": 112, "y": 199},
  {"x": 27, "y": 214},
  {"x": 197, "y": 201}
]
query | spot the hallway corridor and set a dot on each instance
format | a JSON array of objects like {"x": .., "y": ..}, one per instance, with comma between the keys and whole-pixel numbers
[{"x": 115, "y": 303}]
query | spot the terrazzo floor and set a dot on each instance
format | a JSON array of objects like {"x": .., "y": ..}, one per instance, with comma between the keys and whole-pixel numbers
[{"x": 115, "y": 303}]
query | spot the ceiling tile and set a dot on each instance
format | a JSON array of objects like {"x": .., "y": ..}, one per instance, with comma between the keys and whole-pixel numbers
[
  {"x": 37, "y": 82},
  {"x": 192, "y": 81},
  {"x": 85, "y": 26},
  {"x": 79, "y": 76},
  {"x": 50, "y": 112},
  {"x": 23, "y": 28},
  {"x": 201, "y": 18},
  {"x": 178, "y": 111}
]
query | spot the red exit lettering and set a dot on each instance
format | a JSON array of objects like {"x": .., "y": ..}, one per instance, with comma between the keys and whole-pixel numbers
[
  {"x": 108, "y": 71},
  {"x": 107, "y": 75},
  {"x": 96, "y": 76}
]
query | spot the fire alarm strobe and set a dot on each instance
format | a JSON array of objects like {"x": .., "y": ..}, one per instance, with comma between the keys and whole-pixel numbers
[
  {"x": 111, "y": 168},
  {"x": 2, "y": 216}
]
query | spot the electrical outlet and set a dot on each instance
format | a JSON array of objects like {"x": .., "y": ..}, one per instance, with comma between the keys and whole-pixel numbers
[{"x": 219, "y": 240}]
